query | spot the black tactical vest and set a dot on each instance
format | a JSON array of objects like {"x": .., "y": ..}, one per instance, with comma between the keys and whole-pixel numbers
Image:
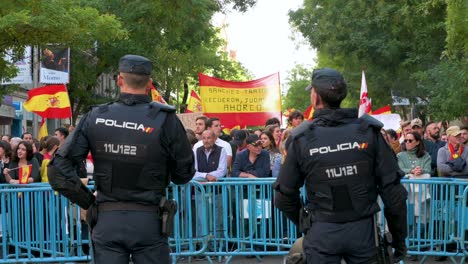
[
  {"x": 126, "y": 146},
  {"x": 338, "y": 162}
]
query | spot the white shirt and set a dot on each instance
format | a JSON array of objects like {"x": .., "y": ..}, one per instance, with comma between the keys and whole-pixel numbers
[{"x": 221, "y": 171}]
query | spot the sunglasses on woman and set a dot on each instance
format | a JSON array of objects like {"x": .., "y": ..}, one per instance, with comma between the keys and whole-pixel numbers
[{"x": 408, "y": 140}]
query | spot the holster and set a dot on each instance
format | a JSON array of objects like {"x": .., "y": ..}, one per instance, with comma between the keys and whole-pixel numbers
[
  {"x": 305, "y": 219},
  {"x": 92, "y": 216},
  {"x": 384, "y": 245},
  {"x": 168, "y": 209}
]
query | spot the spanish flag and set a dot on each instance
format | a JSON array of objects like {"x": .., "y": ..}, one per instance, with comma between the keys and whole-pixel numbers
[
  {"x": 43, "y": 130},
  {"x": 386, "y": 110},
  {"x": 194, "y": 104},
  {"x": 50, "y": 101},
  {"x": 24, "y": 172},
  {"x": 156, "y": 96},
  {"x": 309, "y": 113},
  {"x": 227, "y": 131}
]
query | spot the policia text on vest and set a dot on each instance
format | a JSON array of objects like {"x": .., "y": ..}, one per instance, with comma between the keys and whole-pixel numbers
[{"x": 138, "y": 147}]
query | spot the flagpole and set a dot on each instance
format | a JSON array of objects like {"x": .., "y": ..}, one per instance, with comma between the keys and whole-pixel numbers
[{"x": 35, "y": 85}]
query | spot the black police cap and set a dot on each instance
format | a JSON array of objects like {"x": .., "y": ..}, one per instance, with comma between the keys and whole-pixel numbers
[
  {"x": 325, "y": 78},
  {"x": 135, "y": 64}
]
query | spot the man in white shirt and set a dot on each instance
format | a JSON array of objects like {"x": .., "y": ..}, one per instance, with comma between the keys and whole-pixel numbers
[
  {"x": 210, "y": 159},
  {"x": 210, "y": 165},
  {"x": 214, "y": 125}
]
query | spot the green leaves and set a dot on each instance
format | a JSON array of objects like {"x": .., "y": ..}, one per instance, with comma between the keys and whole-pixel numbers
[
  {"x": 176, "y": 35},
  {"x": 399, "y": 43}
]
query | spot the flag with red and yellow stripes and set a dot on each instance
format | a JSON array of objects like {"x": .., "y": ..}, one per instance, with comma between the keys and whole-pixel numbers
[
  {"x": 309, "y": 112},
  {"x": 227, "y": 131},
  {"x": 386, "y": 110},
  {"x": 194, "y": 104},
  {"x": 156, "y": 96},
  {"x": 49, "y": 101},
  {"x": 24, "y": 172},
  {"x": 241, "y": 103},
  {"x": 43, "y": 130}
]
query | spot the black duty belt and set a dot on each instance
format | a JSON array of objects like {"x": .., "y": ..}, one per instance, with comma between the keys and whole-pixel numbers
[{"x": 127, "y": 206}]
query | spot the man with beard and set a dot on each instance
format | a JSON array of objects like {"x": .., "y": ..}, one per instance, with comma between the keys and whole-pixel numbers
[
  {"x": 464, "y": 133},
  {"x": 200, "y": 126},
  {"x": 433, "y": 144}
]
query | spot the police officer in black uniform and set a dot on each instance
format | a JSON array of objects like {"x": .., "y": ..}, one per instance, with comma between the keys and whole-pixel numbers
[
  {"x": 138, "y": 147},
  {"x": 345, "y": 164}
]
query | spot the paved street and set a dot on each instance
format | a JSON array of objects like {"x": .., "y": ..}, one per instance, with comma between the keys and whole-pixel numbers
[{"x": 279, "y": 260}]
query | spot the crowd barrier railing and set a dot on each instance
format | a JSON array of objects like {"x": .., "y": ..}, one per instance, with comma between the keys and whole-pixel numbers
[
  {"x": 437, "y": 217},
  {"x": 38, "y": 225},
  {"x": 232, "y": 217},
  {"x": 224, "y": 219}
]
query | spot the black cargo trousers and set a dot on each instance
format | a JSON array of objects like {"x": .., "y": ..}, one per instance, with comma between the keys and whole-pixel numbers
[{"x": 118, "y": 235}]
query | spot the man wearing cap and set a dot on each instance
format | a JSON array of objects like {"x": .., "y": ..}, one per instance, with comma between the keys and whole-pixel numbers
[
  {"x": 344, "y": 163},
  {"x": 452, "y": 159},
  {"x": 417, "y": 126},
  {"x": 253, "y": 162},
  {"x": 138, "y": 147}
]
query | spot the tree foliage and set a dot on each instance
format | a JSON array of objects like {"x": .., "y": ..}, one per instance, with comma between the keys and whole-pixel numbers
[
  {"x": 400, "y": 44},
  {"x": 176, "y": 35},
  {"x": 38, "y": 23},
  {"x": 296, "y": 97}
]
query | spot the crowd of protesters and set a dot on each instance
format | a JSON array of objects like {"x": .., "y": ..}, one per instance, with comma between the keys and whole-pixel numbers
[
  {"x": 18, "y": 152},
  {"x": 249, "y": 153},
  {"x": 423, "y": 151}
]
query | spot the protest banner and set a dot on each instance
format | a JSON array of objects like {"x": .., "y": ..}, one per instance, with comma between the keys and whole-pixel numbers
[{"x": 241, "y": 103}]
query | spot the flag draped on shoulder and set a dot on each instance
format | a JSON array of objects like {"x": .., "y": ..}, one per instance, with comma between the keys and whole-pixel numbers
[
  {"x": 49, "y": 101},
  {"x": 365, "y": 105},
  {"x": 241, "y": 103},
  {"x": 156, "y": 96},
  {"x": 194, "y": 104}
]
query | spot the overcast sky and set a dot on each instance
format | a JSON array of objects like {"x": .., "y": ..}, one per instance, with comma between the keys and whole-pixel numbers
[{"x": 262, "y": 38}]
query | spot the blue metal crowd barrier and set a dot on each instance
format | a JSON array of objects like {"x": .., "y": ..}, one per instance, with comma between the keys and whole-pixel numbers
[
  {"x": 224, "y": 219},
  {"x": 39, "y": 225},
  {"x": 437, "y": 217},
  {"x": 232, "y": 217}
]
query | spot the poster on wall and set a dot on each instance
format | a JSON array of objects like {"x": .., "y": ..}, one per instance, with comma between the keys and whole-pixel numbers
[
  {"x": 55, "y": 65},
  {"x": 24, "y": 75}
]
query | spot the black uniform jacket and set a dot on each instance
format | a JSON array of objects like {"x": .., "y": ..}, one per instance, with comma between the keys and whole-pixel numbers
[
  {"x": 166, "y": 155},
  {"x": 383, "y": 169}
]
